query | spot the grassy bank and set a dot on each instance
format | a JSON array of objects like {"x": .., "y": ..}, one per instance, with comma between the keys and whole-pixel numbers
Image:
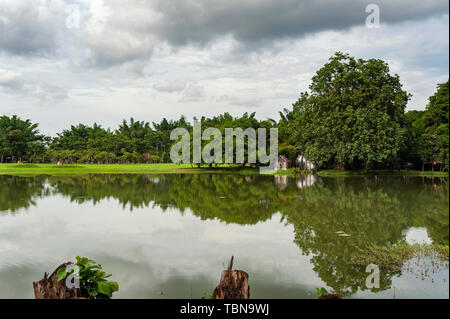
[
  {"x": 170, "y": 168},
  {"x": 80, "y": 169},
  {"x": 75, "y": 169},
  {"x": 356, "y": 173}
]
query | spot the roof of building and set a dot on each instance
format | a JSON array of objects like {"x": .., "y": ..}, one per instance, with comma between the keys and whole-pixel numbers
[{"x": 283, "y": 158}]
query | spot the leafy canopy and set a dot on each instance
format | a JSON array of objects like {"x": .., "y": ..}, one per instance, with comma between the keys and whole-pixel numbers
[{"x": 353, "y": 116}]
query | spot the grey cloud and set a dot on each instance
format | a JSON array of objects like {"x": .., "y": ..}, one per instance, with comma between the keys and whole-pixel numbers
[
  {"x": 181, "y": 22},
  {"x": 30, "y": 27},
  {"x": 47, "y": 93},
  {"x": 258, "y": 21},
  {"x": 132, "y": 32},
  {"x": 193, "y": 92},
  {"x": 170, "y": 86},
  {"x": 115, "y": 33},
  {"x": 246, "y": 101},
  {"x": 190, "y": 91}
]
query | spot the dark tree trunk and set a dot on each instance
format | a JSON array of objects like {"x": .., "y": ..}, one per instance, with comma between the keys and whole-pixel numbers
[{"x": 233, "y": 284}]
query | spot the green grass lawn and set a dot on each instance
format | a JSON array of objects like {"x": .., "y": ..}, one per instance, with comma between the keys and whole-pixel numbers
[
  {"x": 74, "y": 169},
  {"x": 170, "y": 168},
  {"x": 78, "y": 169}
]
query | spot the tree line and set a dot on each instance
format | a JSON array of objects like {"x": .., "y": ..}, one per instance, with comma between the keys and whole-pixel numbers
[{"x": 352, "y": 117}]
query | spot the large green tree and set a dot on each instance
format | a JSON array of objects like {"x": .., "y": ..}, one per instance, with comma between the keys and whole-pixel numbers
[{"x": 353, "y": 116}]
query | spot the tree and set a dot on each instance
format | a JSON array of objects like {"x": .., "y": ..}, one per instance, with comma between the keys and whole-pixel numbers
[
  {"x": 435, "y": 121},
  {"x": 429, "y": 129},
  {"x": 436, "y": 112},
  {"x": 353, "y": 116},
  {"x": 78, "y": 136},
  {"x": 19, "y": 138}
]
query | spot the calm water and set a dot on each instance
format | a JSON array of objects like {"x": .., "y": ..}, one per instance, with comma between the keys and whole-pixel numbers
[{"x": 170, "y": 236}]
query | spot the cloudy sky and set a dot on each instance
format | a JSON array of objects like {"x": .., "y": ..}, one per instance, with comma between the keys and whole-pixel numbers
[{"x": 66, "y": 62}]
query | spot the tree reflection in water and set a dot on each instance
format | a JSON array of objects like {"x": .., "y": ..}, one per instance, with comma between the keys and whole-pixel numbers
[{"x": 372, "y": 210}]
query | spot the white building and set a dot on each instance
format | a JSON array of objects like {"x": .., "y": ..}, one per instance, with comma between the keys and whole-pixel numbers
[
  {"x": 283, "y": 163},
  {"x": 302, "y": 163}
]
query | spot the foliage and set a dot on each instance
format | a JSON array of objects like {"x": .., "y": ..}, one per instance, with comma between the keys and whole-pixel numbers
[
  {"x": 321, "y": 291},
  {"x": 226, "y": 120},
  {"x": 430, "y": 130},
  {"x": 92, "y": 278},
  {"x": 392, "y": 258},
  {"x": 19, "y": 138},
  {"x": 132, "y": 142},
  {"x": 353, "y": 116},
  {"x": 290, "y": 151},
  {"x": 207, "y": 295}
]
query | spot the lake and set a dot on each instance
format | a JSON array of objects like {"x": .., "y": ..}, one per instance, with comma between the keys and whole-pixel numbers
[{"x": 170, "y": 236}]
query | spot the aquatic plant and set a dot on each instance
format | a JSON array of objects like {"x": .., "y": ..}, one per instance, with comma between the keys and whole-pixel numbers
[
  {"x": 321, "y": 291},
  {"x": 392, "y": 258},
  {"x": 92, "y": 278}
]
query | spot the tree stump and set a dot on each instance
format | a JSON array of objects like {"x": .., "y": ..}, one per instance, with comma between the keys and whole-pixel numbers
[
  {"x": 48, "y": 288},
  {"x": 233, "y": 284}
]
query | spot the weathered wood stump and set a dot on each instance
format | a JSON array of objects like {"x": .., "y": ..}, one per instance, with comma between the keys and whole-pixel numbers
[
  {"x": 233, "y": 284},
  {"x": 330, "y": 296},
  {"x": 48, "y": 288}
]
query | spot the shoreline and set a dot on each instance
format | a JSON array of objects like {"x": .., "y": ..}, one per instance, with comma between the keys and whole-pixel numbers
[{"x": 170, "y": 168}]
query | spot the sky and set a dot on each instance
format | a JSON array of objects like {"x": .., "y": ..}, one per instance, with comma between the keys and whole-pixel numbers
[{"x": 69, "y": 62}]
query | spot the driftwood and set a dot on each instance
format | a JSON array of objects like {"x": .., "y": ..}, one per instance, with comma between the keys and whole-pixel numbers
[
  {"x": 233, "y": 284},
  {"x": 48, "y": 288},
  {"x": 330, "y": 296}
]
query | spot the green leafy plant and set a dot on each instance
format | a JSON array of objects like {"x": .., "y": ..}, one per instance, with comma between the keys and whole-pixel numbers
[
  {"x": 207, "y": 295},
  {"x": 321, "y": 291},
  {"x": 92, "y": 278}
]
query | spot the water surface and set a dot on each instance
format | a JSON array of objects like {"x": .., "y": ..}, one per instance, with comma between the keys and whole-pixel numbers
[{"x": 170, "y": 236}]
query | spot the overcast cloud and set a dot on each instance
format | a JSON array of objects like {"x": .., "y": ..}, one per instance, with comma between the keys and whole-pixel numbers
[{"x": 160, "y": 58}]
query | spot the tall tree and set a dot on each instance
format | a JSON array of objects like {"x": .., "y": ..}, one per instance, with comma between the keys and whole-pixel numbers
[
  {"x": 18, "y": 137},
  {"x": 353, "y": 116}
]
